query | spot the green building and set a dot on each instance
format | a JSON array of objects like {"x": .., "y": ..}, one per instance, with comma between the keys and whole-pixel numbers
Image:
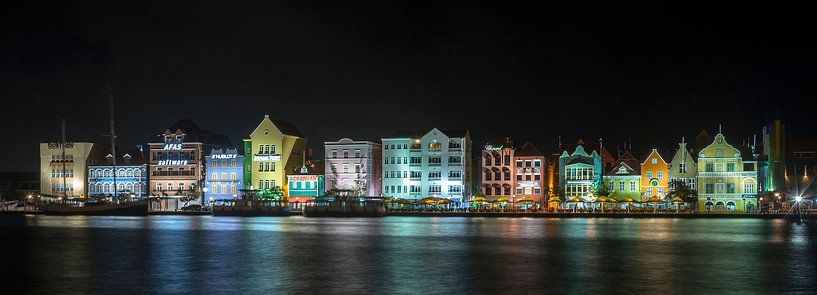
[{"x": 624, "y": 180}]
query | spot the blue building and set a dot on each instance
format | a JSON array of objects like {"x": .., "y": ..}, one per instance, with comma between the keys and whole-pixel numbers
[
  {"x": 305, "y": 184},
  {"x": 130, "y": 180},
  {"x": 225, "y": 174}
]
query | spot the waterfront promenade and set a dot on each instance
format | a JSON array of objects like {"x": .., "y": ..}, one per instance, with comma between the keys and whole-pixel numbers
[{"x": 518, "y": 214}]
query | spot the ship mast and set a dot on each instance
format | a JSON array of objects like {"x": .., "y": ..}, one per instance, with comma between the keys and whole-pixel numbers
[{"x": 113, "y": 144}]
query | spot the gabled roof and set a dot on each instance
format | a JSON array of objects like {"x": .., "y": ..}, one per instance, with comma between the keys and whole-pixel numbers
[
  {"x": 649, "y": 155},
  {"x": 528, "y": 150},
  {"x": 455, "y": 133},
  {"x": 629, "y": 160},
  {"x": 630, "y": 170},
  {"x": 193, "y": 133},
  {"x": 287, "y": 128}
]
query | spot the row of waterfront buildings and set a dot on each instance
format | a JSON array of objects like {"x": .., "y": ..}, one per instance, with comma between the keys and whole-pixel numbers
[{"x": 187, "y": 164}]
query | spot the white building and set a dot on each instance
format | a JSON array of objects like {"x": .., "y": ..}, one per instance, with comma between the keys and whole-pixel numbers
[
  {"x": 436, "y": 164},
  {"x": 353, "y": 167},
  {"x": 63, "y": 168}
]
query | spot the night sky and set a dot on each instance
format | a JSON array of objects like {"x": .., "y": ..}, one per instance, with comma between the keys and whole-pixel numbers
[{"x": 650, "y": 72}]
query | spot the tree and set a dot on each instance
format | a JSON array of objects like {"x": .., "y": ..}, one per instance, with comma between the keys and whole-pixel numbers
[
  {"x": 683, "y": 191},
  {"x": 600, "y": 190},
  {"x": 274, "y": 194}
]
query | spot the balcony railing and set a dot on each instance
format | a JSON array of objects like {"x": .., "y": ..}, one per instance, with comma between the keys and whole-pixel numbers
[
  {"x": 728, "y": 174},
  {"x": 173, "y": 173}
]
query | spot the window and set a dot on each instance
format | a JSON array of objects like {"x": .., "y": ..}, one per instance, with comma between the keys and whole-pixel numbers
[
  {"x": 632, "y": 185},
  {"x": 730, "y": 167},
  {"x": 357, "y": 153},
  {"x": 454, "y": 189},
  {"x": 508, "y": 190},
  {"x": 610, "y": 185},
  {"x": 537, "y": 163},
  {"x": 682, "y": 168},
  {"x": 454, "y": 160},
  {"x": 434, "y": 174},
  {"x": 620, "y": 186},
  {"x": 334, "y": 154},
  {"x": 487, "y": 175},
  {"x": 710, "y": 188},
  {"x": 528, "y": 163},
  {"x": 357, "y": 168},
  {"x": 232, "y": 175},
  {"x": 527, "y": 176},
  {"x": 334, "y": 168},
  {"x": 519, "y": 177},
  {"x": 345, "y": 153},
  {"x": 649, "y": 191},
  {"x": 434, "y": 146},
  {"x": 710, "y": 167},
  {"x": 232, "y": 163},
  {"x": 748, "y": 188},
  {"x": 434, "y": 189},
  {"x": 730, "y": 188},
  {"x": 434, "y": 160},
  {"x": 416, "y": 174},
  {"x": 213, "y": 163},
  {"x": 454, "y": 174},
  {"x": 224, "y": 176},
  {"x": 649, "y": 175},
  {"x": 416, "y": 160},
  {"x": 519, "y": 163},
  {"x": 654, "y": 161},
  {"x": 214, "y": 176},
  {"x": 506, "y": 160},
  {"x": 660, "y": 175},
  {"x": 345, "y": 168},
  {"x": 537, "y": 177}
]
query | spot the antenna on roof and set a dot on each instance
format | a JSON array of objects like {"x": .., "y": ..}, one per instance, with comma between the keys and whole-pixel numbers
[{"x": 720, "y": 131}]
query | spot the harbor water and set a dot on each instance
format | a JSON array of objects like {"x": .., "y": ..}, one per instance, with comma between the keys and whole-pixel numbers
[{"x": 405, "y": 255}]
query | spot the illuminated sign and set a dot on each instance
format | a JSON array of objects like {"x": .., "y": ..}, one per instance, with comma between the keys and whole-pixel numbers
[
  {"x": 173, "y": 147},
  {"x": 60, "y": 145},
  {"x": 224, "y": 156},
  {"x": 302, "y": 177},
  {"x": 266, "y": 158},
  {"x": 489, "y": 147},
  {"x": 172, "y": 162}
]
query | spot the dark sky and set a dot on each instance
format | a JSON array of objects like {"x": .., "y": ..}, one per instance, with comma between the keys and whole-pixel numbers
[{"x": 650, "y": 72}]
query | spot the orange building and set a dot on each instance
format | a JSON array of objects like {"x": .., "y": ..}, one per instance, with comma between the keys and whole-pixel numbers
[{"x": 654, "y": 176}]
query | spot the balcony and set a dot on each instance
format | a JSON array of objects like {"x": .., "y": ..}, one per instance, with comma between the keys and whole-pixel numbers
[
  {"x": 728, "y": 174},
  {"x": 173, "y": 173},
  {"x": 454, "y": 163},
  {"x": 413, "y": 164}
]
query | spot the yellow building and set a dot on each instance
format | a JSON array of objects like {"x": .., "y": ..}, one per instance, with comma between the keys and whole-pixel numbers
[
  {"x": 274, "y": 149},
  {"x": 726, "y": 182}
]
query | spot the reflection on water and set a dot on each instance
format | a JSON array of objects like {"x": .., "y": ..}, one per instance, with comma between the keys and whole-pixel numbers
[{"x": 410, "y": 255}]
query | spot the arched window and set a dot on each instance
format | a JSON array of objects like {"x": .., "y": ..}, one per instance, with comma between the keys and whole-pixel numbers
[
  {"x": 130, "y": 187},
  {"x": 730, "y": 206}
]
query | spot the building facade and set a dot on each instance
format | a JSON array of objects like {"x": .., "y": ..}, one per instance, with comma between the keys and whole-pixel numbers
[
  {"x": 273, "y": 150},
  {"x": 624, "y": 180},
  {"x": 225, "y": 174},
  {"x": 353, "y": 167},
  {"x": 726, "y": 182},
  {"x": 772, "y": 171},
  {"x": 654, "y": 176},
  {"x": 515, "y": 173},
  {"x": 64, "y": 168},
  {"x": 176, "y": 170},
  {"x": 579, "y": 172},
  {"x": 682, "y": 168},
  {"x": 130, "y": 179},
  {"x": 436, "y": 164}
]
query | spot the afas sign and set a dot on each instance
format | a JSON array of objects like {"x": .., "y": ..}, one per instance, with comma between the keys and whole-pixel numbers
[{"x": 172, "y": 147}]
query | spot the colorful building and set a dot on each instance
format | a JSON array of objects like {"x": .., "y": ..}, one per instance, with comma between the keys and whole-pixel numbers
[
  {"x": 515, "y": 173},
  {"x": 579, "y": 172},
  {"x": 726, "y": 182},
  {"x": 624, "y": 180},
  {"x": 225, "y": 174},
  {"x": 436, "y": 164},
  {"x": 273, "y": 149},
  {"x": 682, "y": 168},
  {"x": 654, "y": 176},
  {"x": 353, "y": 167},
  {"x": 772, "y": 170},
  {"x": 63, "y": 168},
  {"x": 176, "y": 170},
  {"x": 128, "y": 178},
  {"x": 304, "y": 185}
]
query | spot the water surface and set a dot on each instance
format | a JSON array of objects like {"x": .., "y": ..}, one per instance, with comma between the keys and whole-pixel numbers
[{"x": 406, "y": 255}]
